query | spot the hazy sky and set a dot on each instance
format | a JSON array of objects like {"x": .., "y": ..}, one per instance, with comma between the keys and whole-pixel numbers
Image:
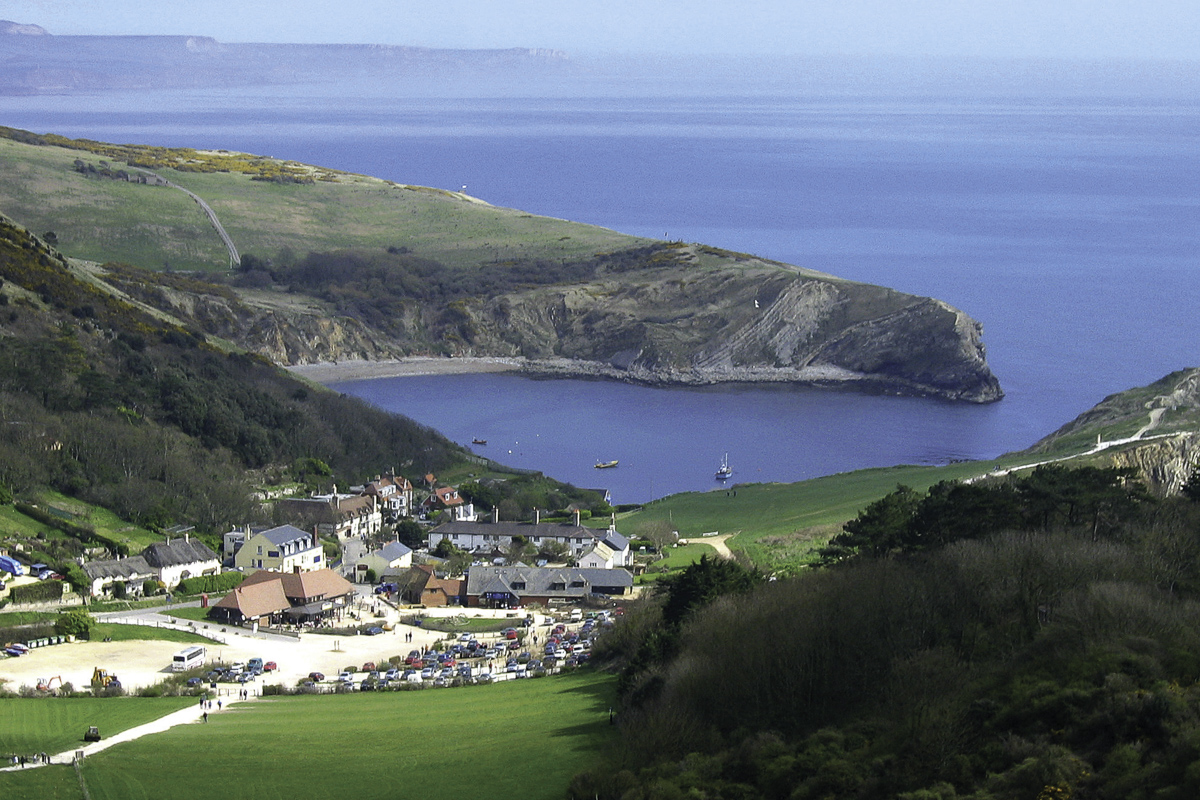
[{"x": 1070, "y": 28}]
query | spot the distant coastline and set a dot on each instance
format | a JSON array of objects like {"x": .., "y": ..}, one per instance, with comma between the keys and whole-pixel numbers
[{"x": 337, "y": 371}]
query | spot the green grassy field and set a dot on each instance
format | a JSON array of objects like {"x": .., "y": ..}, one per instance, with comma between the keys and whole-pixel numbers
[
  {"x": 54, "y": 725},
  {"x": 779, "y": 525},
  {"x": 520, "y": 739},
  {"x": 156, "y": 227},
  {"x": 131, "y": 633}
]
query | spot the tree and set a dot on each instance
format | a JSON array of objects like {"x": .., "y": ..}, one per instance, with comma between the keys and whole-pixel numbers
[
  {"x": 75, "y": 622},
  {"x": 410, "y": 533},
  {"x": 701, "y": 583},
  {"x": 661, "y": 534},
  {"x": 118, "y": 590},
  {"x": 518, "y": 550},
  {"x": 880, "y": 528}
]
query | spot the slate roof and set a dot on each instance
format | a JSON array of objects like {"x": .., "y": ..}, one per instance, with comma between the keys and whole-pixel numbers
[
  {"x": 616, "y": 541},
  {"x": 393, "y": 551},
  {"x": 526, "y": 529},
  {"x": 286, "y": 533},
  {"x": 539, "y": 580}
]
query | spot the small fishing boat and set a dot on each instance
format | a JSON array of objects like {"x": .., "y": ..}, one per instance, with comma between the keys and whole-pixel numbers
[
  {"x": 479, "y": 441},
  {"x": 605, "y": 464},
  {"x": 724, "y": 471}
]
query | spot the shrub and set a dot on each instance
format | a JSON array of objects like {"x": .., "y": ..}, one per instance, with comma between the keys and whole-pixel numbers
[
  {"x": 211, "y": 583},
  {"x": 76, "y": 622},
  {"x": 42, "y": 592}
]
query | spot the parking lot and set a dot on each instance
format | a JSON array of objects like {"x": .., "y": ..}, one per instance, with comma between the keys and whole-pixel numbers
[{"x": 143, "y": 663}]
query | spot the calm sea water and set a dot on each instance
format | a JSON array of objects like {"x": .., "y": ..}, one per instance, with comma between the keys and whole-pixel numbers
[{"x": 1069, "y": 228}]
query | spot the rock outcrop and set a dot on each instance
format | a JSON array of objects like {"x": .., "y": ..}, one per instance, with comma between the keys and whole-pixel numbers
[{"x": 670, "y": 326}]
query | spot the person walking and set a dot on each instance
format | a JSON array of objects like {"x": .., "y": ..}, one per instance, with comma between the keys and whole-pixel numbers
[{"x": 204, "y": 716}]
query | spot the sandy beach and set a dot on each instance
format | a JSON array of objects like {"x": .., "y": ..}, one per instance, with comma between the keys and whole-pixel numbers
[{"x": 336, "y": 371}]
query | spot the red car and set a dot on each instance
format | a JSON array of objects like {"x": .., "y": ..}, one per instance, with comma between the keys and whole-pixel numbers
[{"x": 270, "y": 666}]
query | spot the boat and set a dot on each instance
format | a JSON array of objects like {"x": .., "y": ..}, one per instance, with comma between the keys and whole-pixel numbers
[
  {"x": 724, "y": 471},
  {"x": 605, "y": 464},
  {"x": 479, "y": 441}
]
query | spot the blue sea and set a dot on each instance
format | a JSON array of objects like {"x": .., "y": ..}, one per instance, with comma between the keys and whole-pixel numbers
[{"x": 1068, "y": 225}]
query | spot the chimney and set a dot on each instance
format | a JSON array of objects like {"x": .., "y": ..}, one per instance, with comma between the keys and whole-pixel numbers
[
  {"x": 537, "y": 517},
  {"x": 577, "y": 515},
  {"x": 612, "y": 526},
  {"x": 495, "y": 513},
  {"x": 187, "y": 537},
  {"x": 316, "y": 541}
]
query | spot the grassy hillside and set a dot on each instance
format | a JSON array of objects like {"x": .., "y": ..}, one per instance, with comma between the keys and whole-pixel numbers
[{"x": 104, "y": 219}]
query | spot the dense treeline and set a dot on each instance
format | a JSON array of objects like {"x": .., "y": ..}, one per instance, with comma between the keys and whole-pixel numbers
[
  {"x": 1057, "y": 657},
  {"x": 111, "y": 405}
]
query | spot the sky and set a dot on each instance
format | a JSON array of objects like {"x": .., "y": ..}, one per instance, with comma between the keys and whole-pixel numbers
[{"x": 999, "y": 28}]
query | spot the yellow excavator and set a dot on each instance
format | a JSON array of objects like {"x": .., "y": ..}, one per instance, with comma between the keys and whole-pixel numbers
[{"x": 102, "y": 679}]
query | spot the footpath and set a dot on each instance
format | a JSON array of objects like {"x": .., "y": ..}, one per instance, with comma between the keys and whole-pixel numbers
[{"x": 184, "y": 716}]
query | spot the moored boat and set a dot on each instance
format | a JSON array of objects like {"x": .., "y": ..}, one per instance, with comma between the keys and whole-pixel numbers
[
  {"x": 724, "y": 471},
  {"x": 605, "y": 464}
]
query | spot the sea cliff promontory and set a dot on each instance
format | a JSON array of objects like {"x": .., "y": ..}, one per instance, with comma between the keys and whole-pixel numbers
[{"x": 336, "y": 267}]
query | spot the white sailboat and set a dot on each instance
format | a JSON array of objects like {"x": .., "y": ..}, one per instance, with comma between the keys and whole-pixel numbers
[{"x": 725, "y": 471}]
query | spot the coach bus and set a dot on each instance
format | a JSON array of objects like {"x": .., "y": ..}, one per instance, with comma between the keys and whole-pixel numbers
[{"x": 189, "y": 658}]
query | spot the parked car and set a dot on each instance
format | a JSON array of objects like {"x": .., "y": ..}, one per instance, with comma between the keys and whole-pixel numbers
[
  {"x": 392, "y": 674},
  {"x": 369, "y": 666},
  {"x": 317, "y": 676},
  {"x": 374, "y": 630},
  {"x": 346, "y": 677},
  {"x": 270, "y": 666},
  {"x": 255, "y": 665},
  {"x": 428, "y": 673}
]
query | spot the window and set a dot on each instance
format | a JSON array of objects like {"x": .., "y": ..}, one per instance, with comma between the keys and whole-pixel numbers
[
  {"x": 273, "y": 553},
  {"x": 260, "y": 549}
]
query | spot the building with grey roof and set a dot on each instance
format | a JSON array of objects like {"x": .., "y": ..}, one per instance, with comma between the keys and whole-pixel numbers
[
  {"x": 484, "y": 537},
  {"x": 505, "y": 587}
]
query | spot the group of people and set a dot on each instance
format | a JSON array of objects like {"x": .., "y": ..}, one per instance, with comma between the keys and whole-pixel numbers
[{"x": 37, "y": 758}]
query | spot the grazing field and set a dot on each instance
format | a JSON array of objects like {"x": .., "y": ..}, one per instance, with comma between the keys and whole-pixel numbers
[
  {"x": 157, "y": 227},
  {"x": 54, "y": 725},
  {"x": 519, "y": 739},
  {"x": 779, "y": 525}
]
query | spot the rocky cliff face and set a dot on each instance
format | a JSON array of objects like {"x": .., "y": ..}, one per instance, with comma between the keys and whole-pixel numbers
[
  {"x": 1163, "y": 464},
  {"x": 664, "y": 327}
]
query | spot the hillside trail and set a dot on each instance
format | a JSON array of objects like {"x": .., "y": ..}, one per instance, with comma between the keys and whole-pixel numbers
[
  {"x": 234, "y": 257},
  {"x": 184, "y": 716},
  {"x": 1185, "y": 391},
  {"x": 718, "y": 544}
]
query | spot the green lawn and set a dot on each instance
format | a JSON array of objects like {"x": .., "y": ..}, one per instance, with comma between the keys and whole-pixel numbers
[
  {"x": 158, "y": 227},
  {"x": 55, "y": 725},
  {"x": 129, "y": 633},
  {"x": 678, "y": 558},
  {"x": 520, "y": 739},
  {"x": 778, "y": 525}
]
